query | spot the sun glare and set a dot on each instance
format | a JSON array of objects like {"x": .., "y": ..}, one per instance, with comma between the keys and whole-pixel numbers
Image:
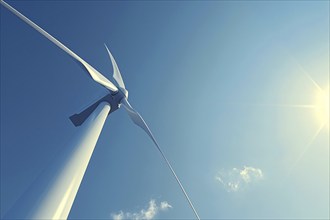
[{"x": 322, "y": 107}]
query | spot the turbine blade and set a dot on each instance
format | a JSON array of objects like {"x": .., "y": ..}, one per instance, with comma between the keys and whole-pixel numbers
[
  {"x": 138, "y": 120},
  {"x": 116, "y": 72},
  {"x": 94, "y": 74}
]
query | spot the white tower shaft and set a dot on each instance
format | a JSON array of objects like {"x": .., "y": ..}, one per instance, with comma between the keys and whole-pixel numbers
[
  {"x": 54, "y": 191},
  {"x": 59, "y": 199}
]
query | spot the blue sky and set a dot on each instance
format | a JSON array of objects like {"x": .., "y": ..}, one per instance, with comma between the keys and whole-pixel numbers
[{"x": 223, "y": 86}]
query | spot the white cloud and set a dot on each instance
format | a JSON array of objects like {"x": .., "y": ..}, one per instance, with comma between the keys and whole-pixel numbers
[
  {"x": 145, "y": 214},
  {"x": 165, "y": 206},
  {"x": 118, "y": 216},
  {"x": 235, "y": 180}
]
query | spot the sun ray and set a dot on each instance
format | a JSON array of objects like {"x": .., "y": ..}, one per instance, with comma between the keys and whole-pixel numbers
[
  {"x": 302, "y": 69},
  {"x": 275, "y": 105},
  {"x": 307, "y": 147},
  {"x": 286, "y": 105},
  {"x": 318, "y": 87}
]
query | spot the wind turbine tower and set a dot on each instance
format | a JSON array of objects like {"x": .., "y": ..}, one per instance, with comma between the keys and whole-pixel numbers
[{"x": 58, "y": 191}]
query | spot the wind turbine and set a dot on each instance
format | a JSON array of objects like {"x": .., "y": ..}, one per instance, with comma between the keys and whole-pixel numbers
[{"x": 117, "y": 97}]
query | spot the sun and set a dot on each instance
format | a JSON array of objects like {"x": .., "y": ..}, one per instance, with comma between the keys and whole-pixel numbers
[{"x": 322, "y": 106}]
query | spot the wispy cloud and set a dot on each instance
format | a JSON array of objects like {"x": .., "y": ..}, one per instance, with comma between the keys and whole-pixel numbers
[
  {"x": 147, "y": 214},
  {"x": 235, "y": 180}
]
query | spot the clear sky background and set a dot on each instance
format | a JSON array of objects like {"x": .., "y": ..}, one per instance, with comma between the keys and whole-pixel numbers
[{"x": 229, "y": 89}]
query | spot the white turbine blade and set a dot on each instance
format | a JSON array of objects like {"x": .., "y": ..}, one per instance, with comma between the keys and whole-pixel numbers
[
  {"x": 116, "y": 72},
  {"x": 98, "y": 77},
  {"x": 138, "y": 120}
]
